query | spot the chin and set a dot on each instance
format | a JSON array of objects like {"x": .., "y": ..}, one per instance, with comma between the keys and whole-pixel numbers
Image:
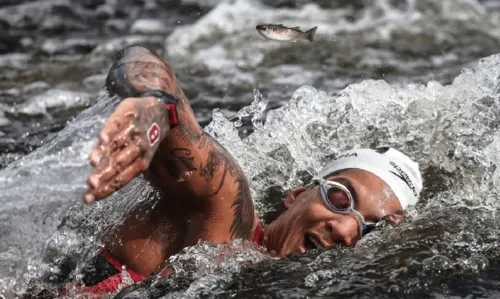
[{"x": 280, "y": 243}]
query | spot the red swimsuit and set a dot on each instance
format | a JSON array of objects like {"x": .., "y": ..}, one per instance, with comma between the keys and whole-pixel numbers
[{"x": 113, "y": 282}]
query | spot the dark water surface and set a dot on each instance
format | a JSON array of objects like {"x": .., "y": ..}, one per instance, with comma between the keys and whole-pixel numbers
[{"x": 422, "y": 76}]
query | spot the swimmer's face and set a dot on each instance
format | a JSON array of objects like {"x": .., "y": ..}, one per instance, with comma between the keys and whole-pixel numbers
[{"x": 309, "y": 223}]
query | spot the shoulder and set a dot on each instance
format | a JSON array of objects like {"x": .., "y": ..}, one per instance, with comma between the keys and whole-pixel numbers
[{"x": 229, "y": 188}]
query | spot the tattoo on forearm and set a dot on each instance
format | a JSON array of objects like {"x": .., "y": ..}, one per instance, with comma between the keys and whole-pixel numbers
[
  {"x": 184, "y": 155},
  {"x": 130, "y": 78}
]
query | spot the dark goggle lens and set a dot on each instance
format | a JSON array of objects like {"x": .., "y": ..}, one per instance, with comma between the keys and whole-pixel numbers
[{"x": 338, "y": 198}]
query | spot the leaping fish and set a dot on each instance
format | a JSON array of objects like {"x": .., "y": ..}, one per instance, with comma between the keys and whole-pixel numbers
[{"x": 283, "y": 33}]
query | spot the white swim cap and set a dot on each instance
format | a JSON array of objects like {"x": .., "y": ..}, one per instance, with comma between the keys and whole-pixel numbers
[{"x": 398, "y": 171}]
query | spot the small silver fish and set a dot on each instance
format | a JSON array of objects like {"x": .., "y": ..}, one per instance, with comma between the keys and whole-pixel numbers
[{"x": 283, "y": 33}]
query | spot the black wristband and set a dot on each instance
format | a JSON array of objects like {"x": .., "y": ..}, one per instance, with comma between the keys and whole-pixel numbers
[
  {"x": 169, "y": 100},
  {"x": 165, "y": 97}
]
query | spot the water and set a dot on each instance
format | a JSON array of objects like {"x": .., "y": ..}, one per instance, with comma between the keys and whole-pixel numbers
[{"x": 422, "y": 76}]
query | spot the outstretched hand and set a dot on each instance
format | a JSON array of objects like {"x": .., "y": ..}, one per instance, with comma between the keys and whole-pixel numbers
[{"x": 127, "y": 144}]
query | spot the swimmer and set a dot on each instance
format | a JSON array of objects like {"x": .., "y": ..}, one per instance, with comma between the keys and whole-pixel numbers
[{"x": 206, "y": 196}]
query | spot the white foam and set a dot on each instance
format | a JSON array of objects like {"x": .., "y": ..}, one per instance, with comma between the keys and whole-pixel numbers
[
  {"x": 33, "y": 11},
  {"x": 148, "y": 26},
  {"x": 427, "y": 122},
  {"x": 14, "y": 60},
  {"x": 52, "y": 99},
  {"x": 453, "y": 128},
  {"x": 111, "y": 47},
  {"x": 237, "y": 19},
  {"x": 95, "y": 82},
  {"x": 226, "y": 42},
  {"x": 35, "y": 87},
  {"x": 234, "y": 22}
]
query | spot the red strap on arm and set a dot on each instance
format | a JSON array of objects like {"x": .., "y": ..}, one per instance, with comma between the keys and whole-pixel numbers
[{"x": 172, "y": 115}]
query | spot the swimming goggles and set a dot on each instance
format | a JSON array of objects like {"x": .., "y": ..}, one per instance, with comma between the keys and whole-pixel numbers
[{"x": 341, "y": 204}]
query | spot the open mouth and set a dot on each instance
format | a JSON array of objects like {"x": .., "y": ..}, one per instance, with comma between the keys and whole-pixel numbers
[{"x": 310, "y": 242}]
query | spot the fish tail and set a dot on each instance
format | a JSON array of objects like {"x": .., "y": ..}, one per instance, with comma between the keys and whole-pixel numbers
[{"x": 310, "y": 33}]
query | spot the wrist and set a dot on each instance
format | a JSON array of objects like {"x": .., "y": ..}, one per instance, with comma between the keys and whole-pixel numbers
[{"x": 166, "y": 99}]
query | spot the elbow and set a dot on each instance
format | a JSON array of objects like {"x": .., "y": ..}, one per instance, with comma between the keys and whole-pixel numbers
[{"x": 138, "y": 69}]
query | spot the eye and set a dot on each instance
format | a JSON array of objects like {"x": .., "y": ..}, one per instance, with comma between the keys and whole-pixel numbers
[{"x": 338, "y": 198}]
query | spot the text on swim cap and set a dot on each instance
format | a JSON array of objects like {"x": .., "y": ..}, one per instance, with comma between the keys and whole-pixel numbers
[{"x": 404, "y": 177}]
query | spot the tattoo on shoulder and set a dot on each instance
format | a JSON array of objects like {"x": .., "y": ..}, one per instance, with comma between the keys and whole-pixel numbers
[
  {"x": 159, "y": 163},
  {"x": 186, "y": 132},
  {"x": 243, "y": 210},
  {"x": 184, "y": 155},
  {"x": 212, "y": 165}
]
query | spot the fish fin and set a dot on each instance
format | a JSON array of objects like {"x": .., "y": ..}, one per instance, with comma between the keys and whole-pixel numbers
[{"x": 310, "y": 33}]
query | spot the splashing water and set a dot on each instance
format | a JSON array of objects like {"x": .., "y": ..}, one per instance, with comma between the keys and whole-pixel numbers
[
  {"x": 448, "y": 248},
  {"x": 256, "y": 112},
  {"x": 452, "y": 131}
]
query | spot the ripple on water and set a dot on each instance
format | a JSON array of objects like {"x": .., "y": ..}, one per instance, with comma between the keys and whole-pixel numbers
[{"x": 449, "y": 245}]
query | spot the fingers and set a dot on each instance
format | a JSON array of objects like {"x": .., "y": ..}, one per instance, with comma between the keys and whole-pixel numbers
[
  {"x": 117, "y": 181},
  {"x": 104, "y": 150},
  {"x": 97, "y": 155},
  {"x": 112, "y": 128},
  {"x": 122, "y": 144},
  {"x": 116, "y": 122},
  {"x": 103, "y": 174},
  {"x": 114, "y": 165},
  {"x": 127, "y": 156}
]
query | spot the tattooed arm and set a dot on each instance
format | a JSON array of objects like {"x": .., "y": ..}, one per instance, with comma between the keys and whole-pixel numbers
[
  {"x": 183, "y": 160},
  {"x": 132, "y": 134}
]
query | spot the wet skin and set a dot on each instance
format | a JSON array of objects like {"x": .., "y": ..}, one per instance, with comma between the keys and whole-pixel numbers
[
  {"x": 308, "y": 216},
  {"x": 205, "y": 193}
]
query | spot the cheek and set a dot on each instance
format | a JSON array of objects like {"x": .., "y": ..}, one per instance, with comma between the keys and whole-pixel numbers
[
  {"x": 307, "y": 210},
  {"x": 304, "y": 208}
]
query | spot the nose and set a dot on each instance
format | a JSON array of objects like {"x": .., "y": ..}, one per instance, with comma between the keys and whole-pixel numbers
[
  {"x": 343, "y": 229},
  {"x": 260, "y": 27}
]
